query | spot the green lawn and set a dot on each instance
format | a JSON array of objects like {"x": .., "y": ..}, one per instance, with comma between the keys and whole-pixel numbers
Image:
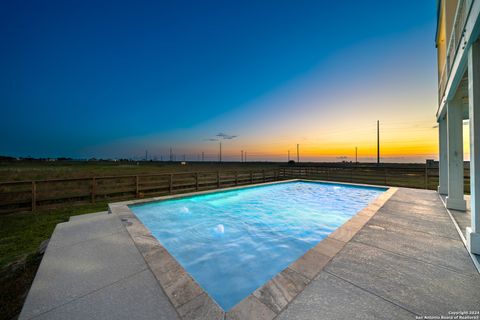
[
  {"x": 22, "y": 233},
  {"x": 20, "y": 237}
]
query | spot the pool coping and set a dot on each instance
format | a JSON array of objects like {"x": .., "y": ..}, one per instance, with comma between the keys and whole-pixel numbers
[{"x": 266, "y": 302}]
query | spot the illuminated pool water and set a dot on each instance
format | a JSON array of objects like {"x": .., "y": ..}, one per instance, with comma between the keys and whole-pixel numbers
[{"x": 232, "y": 242}]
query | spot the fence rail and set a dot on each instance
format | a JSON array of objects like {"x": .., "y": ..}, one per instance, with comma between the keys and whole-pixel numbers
[
  {"x": 18, "y": 196},
  {"x": 36, "y": 195},
  {"x": 417, "y": 176}
]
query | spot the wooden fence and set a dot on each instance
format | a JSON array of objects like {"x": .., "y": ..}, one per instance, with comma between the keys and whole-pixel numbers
[
  {"x": 45, "y": 194},
  {"x": 413, "y": 176}
]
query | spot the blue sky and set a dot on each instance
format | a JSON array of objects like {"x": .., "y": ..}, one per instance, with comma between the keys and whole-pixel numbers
[{"x": 111, "y": 79}]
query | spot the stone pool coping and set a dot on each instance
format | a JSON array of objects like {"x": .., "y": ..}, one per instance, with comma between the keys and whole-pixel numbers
[{"x": 267, "y": 301}]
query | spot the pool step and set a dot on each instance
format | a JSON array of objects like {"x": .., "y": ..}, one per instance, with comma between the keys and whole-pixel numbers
[{"x": 86, "y": 228}]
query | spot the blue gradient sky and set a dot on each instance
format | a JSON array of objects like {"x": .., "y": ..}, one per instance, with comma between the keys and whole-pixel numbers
[{"x": 111, "y": 79}]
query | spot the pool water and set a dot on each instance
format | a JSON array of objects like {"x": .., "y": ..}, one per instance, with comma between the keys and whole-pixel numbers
[{"x": 232, "y": 242}]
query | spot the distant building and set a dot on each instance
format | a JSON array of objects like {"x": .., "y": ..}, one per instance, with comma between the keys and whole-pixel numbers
[{"x": 458, "y": 51}]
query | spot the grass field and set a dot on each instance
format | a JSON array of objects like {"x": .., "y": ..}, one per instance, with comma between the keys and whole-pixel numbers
[{"x": 42, "y": 170}]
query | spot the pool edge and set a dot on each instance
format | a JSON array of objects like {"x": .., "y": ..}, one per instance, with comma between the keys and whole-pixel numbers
[{"x": 266, "y": 302}]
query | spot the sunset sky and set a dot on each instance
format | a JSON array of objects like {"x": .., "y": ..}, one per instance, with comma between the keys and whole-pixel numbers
[{"x": 84, "y": 79}]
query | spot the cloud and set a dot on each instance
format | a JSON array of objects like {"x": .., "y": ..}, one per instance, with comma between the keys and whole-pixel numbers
[
  {"x": 221, "y": 136},
  {"x": 225, "y": 136}
]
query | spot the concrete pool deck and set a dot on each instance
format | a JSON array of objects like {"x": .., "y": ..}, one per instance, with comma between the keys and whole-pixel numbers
[{"x": 408, "y": 260}]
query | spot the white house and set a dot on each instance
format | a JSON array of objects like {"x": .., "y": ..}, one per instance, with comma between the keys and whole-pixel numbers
[{"x": 458, "y": 51}]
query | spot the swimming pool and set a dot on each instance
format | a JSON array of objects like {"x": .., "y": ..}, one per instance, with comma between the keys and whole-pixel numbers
[{"x": 232, "y": 242}]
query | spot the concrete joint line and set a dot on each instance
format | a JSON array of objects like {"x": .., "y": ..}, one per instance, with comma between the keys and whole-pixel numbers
[
  {"x": 416, "y": 259},
  {"x": 89, "y": 293},
  {"x": 372, "y": 293}
]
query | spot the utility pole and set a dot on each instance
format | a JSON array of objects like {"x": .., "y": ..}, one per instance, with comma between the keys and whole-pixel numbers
[
  {"x": 241, "y": 156},
  {"x": 245, "y": 156},
  {"x": 220, "y": 152},
  {"x": 171, "y": 154},
  {"x": 203, "y": 156},
  {"x": 356, "y": 155},
  {"x": 298, "y": 153},
  {"x": 378, "y": 141},
  {"x": 288, "y": 155}
]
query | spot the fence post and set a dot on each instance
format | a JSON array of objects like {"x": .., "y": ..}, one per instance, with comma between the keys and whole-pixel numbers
[
  {"x": 136, "y": 187},
  {"x": 94, "y": 184},
  {"x": 218, "y": 179},
  {"x": 34, "y": 196},
  {"x": 328, "y": 173},
  {"x": 170, "y": 183},
  {"x": 263, "y": 174},
  {"x": 385, "y": 176},
  {"x": 196, "y": 181},
  {"x": 426, "y": 175},
  {"x": 251, "y": 176}
]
